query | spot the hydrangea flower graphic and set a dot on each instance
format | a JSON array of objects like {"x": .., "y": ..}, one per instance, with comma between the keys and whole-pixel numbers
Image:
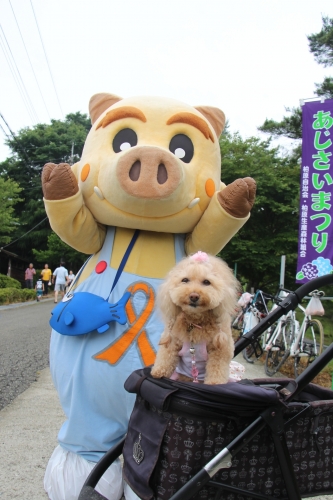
[
  {"x": 323, "y": 265},
  {"x": 310, "y": 270},
  {"x": 314, "y": 269}
]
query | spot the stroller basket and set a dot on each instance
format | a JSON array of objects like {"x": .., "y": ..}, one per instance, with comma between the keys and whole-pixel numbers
[
  {"x": 265, "y": 438},
  {"x": 174, "y": 432}
]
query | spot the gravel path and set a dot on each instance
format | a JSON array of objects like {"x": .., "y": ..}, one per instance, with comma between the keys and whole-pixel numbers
[{"x": 24, "y": 346}]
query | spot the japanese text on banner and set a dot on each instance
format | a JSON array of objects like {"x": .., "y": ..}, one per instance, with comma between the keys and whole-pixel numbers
[{"x": 315, "y": 247}]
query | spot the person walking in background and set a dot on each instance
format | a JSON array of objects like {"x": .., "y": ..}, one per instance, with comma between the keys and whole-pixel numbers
[
  {"x": 29, "y": 276},
  {"x": 60, "y": 276},
  {"x": 71, "y": 277},
  {"x": 46, "y": 277},
  {"x": 39, "y": 287}
]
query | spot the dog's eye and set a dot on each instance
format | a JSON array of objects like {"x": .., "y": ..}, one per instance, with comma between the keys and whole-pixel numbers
[
  {"x": 206, "y": 282},
  {"x": 185, "y": 280}
]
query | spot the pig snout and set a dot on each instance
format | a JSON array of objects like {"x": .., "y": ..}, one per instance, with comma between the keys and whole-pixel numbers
[{"x": 148, "y": 172}]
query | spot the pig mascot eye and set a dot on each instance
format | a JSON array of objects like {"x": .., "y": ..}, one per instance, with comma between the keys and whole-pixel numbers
[
  {"x": 182, "y": 147},
  {"x": 125, "y": 139}
]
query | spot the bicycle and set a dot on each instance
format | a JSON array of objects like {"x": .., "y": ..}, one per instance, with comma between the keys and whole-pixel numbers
[
  {"x": 243, "y": 303},
  {"x": 251, "y": 314},
  {"x": 309, "y": 342},
  {"x": 304, "y": 342}
]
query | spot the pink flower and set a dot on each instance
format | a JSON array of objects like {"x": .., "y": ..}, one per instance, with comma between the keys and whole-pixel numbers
[{"x": 200, "y": 257}]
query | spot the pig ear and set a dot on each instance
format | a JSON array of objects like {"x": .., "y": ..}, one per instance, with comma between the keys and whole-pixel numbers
[
  {"x": 99, "y": 103},
  {"x": 215, "y": 116}
]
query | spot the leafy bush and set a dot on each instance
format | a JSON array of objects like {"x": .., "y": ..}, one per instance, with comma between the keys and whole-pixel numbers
[
  {"x": 7, "y": 282},
  {"x": 27, "y": 294},
  {"x": 11, "y": 294}
]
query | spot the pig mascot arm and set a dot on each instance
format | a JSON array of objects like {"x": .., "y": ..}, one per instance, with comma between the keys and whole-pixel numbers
[
  {"x": 69, "y": 217},
  {"x": 229, "y": 209}
]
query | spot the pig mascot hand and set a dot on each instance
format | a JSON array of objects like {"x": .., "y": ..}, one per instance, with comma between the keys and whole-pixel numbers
[{"x": 150, "y": 164}]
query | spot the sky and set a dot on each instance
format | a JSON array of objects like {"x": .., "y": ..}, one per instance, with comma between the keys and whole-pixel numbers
[{"x": 249, "y": 58}]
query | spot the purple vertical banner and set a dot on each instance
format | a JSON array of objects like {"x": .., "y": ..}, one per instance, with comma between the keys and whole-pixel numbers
[{"x": 315, "y": 239}]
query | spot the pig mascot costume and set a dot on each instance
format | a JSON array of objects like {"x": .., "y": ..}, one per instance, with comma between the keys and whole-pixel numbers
[{"x": 146, "y": 193}]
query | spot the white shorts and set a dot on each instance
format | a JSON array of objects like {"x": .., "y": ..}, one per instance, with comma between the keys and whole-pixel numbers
[
  {"x": 60, "y": 287},
  {"x": 66, "y": 473}
]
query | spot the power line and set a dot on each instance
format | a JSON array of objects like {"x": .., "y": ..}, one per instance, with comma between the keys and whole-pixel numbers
[
  {"x": 40, "y": 36},
  {"x": 15, "y": 139},
  {"x": 3, "y": 130},
  {"x": 29, "y": 60},
  {"x": 17, "y": 77},
  {"x": 23, "y": 234}
]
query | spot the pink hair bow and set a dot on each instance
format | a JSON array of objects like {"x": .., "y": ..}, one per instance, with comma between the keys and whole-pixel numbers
[{"x": 200, "y": 257}]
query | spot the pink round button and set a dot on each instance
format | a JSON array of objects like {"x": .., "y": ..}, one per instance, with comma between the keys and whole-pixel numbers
[{"x": 100, "y": 267}]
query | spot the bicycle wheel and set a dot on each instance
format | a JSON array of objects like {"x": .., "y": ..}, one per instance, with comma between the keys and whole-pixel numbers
[
  {"x": 278, "y": 352},
  {"x": 289, "y": 332},
  {"x": 310, "y": 346},
  {"x": 249, "y": 354}
]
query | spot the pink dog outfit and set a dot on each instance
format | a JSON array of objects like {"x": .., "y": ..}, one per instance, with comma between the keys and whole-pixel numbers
[{"x": 185, "y": 365}]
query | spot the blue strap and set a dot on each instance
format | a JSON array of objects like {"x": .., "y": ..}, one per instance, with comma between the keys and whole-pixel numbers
[{"x": 124, "y": 259}]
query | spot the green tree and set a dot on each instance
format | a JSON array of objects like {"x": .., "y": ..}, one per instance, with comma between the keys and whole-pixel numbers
[
  {"x": 321, "y": 44},
  {"x": 57, "y": 251},
  {"x": 9, "y": 196},
  {"x": 272, "y": 230},
  {"x": 31, "y": 149}
]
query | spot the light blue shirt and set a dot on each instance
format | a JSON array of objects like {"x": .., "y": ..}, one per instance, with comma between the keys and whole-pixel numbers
[{"x": 61, "y": 273}]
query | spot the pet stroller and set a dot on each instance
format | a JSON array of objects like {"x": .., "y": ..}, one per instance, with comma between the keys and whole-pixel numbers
[{"x": 254, "y": 439}]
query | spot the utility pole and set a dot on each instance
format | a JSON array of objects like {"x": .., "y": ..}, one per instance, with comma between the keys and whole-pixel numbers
[
  {"x": 72, "y": 154},
  {"x": 282, "y": 270}
]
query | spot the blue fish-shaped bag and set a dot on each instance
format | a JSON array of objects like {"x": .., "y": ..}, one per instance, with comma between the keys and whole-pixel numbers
[{"x": 84, "y": 312}]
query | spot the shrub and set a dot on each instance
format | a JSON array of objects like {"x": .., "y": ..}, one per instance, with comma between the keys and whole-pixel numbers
[
  {"x": 10, "y": 295},
  {"x": 7, "y": 282},
  {"x": 27, "y": 294}
]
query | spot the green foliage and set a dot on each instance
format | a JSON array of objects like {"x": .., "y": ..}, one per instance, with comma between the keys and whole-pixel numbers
[
  {"x": 289, "y": 126},
  {"x": 9, "y": 196},
  {"x": 31, "y": 149},
  {"x": 272, "y": 228},
  {"x": 58, "y": 251},
  {"x": 12, "y": 295},
  {"x": 321, "y": 44},
  {"x": 7, "y": 282},
  {"x": 325, "y": 89}
]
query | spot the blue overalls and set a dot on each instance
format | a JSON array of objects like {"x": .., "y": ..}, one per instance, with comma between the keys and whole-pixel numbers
[{"x": 89, "y": 370}]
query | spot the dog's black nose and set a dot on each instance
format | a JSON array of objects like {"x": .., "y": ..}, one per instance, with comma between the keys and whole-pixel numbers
[{"x": 194, "y": 297}]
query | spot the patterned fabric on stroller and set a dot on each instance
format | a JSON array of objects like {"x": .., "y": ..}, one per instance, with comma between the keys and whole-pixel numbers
[{"x": 265, "y": 439}]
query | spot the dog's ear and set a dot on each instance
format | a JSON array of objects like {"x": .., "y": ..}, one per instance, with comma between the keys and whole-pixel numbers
[
  {"x": 218, "y": 311},
  {"x": 228, "y": 298},
  {"x": 168, "y": 309}
]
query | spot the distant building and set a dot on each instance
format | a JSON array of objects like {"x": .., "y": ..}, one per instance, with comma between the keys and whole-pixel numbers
[{"x": 13, "y": 265}]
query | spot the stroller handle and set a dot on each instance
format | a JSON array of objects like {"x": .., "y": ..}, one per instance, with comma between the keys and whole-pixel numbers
[{"x": 289, "y": 303}]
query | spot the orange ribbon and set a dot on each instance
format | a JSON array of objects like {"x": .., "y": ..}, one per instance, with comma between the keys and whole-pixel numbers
[{"x": 136, "y": 331}]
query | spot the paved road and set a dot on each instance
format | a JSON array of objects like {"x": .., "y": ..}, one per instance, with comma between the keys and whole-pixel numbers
[{"x": 24, "y": 347}]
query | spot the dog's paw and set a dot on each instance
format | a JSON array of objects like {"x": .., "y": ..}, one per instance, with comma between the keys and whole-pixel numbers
[{"x": 158, "y": 373}]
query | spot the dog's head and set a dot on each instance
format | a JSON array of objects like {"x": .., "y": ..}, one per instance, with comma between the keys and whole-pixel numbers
[{"x": 199, "y": 283}]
